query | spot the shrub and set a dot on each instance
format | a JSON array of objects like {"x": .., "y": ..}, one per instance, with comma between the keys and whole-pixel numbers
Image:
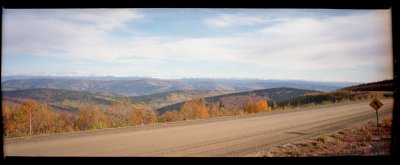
[{"x": 322, "y": 139}]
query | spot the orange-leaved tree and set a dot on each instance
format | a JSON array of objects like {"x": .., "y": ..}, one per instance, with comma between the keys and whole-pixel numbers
[{"x": 169, "y": 116}]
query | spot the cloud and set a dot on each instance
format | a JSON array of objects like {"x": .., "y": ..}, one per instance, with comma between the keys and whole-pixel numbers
[
  {"x": 231, "y": 20},
  {"x": 281, "y": 42},
  {"x": 342, "y": 42},
  {"x": 336, "y": 42},
  {"x": 70, "y": 33},
  {"x": 312, "y": 43}
]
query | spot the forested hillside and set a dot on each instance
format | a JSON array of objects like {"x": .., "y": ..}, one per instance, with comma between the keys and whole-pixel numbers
[{"x": 384, "y": 85}]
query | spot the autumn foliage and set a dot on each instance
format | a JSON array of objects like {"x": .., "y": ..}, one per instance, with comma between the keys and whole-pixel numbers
[
  {"x": 253, "y": 106},
  {"x": 194, "y": 109},
  {"x": 170, "y": 116},
  {"x": 33, "y": 118},
  {"x": 29, "y": 117}
]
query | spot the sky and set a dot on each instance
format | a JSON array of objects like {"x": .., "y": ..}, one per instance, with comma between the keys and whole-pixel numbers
[{"x": 291, "y": 44}]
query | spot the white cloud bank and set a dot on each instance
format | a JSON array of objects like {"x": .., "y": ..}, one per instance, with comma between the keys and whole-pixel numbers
[{"x": 283, "y": 42}]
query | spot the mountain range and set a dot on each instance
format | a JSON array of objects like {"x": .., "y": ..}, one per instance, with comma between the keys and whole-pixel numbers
[
  {"x": 137, "y": 86},
  {"x": 273, "y": 95},
  {"x": 164, "y": 95},
  {"x": 76, "y": 98},
  {"x": 70, "y": 100}
]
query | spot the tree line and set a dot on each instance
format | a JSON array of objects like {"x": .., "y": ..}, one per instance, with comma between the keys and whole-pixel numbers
[
  {"x": 29, "y": 117},
  {"x": 327, "y": 98},
  {"x": 384, "y": 85}
]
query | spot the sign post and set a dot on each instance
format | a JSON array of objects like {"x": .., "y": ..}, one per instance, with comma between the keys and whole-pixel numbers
[{"x": 376, "y": 104}]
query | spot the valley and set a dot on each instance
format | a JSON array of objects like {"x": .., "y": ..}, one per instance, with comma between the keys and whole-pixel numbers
[{"x": 65, "y": 110}]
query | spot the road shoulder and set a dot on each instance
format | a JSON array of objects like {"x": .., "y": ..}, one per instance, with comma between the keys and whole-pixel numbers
[{"x": 362, "y": 140}]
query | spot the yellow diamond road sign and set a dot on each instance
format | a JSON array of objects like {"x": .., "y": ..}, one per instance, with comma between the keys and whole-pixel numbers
[{"x": 376, "y": 104}]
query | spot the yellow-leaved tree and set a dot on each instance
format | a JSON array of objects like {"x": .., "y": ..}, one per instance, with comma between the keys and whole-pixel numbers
[{"x": 194, "y": 109}]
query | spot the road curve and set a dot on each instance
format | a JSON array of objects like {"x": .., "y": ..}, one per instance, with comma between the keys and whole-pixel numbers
[{"x": 227, "y": 136}]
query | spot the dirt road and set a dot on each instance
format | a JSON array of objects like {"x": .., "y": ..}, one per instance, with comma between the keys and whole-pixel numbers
[{"x": 228, "y": 136}]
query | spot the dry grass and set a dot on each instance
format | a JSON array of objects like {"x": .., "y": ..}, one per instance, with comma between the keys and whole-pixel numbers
[{"x": 360, "y": 141}]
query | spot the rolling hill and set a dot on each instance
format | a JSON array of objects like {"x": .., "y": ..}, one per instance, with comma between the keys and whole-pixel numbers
[
  {"x": 384, "y": 85},
  {"x": 159, "y": 100},
  {"x": 122, "y": 87},
  {"x": 273, "y": 94},
  {"x": 57, "y": 97},
  {"x": 104, "y": 78},
  {"x": 139, "y": 87}
]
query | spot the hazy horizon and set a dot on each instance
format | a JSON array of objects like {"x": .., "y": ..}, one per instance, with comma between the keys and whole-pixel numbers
[
  {"x": 111, "y": 77},
  {"x": 270, "y": 44}
]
